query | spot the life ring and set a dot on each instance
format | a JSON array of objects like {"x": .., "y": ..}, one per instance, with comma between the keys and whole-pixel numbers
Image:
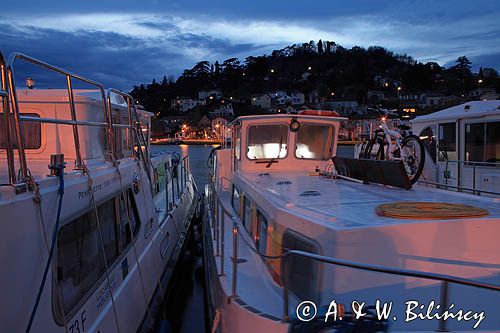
[{"x": 324, "y": 113}]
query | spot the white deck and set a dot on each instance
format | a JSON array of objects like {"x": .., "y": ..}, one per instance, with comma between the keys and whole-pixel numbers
[{"x": 346, "y": 204}]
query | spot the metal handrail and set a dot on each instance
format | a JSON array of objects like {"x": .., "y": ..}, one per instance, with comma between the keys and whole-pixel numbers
[
  {"x": 215, "y": 203},
  {"x": 445, "y": 279},
  {"x": 79, "y": 165},
  {"x": 6, "y": 112},
  {"x": 458, "y": 187}
]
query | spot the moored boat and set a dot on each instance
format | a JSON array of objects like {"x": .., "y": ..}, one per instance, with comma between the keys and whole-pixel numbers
[
  {"x": 286, "y": 233},
  {"x": 93, "y": 221}
]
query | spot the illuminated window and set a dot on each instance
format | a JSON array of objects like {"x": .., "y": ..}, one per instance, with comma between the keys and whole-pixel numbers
[
  {"x": 267, "y": 141},
  {"x": 314, "y": 142}
]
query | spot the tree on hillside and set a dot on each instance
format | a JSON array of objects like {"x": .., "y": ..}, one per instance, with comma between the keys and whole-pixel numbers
[{"x": 320, "y": 47}]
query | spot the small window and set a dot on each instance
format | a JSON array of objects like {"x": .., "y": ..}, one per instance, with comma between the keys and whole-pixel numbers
[
  {"x": 302, "y": 272},
  {"x": 429, "y": 140},
  {"x": 261, "y": 241},
  {"x": 482, "y": 142},
  {"x": 129, "y": 225},
  {"x": 267, "y": 141},
  {"x": 314, "y": 142},
  {"x": 80, "y": 259},
  {"x": 235, "y": 202},
  {"x": 447, "y": 142},
  {"x": 32, "y": 132},
  {"x": 237, "y": 142}
]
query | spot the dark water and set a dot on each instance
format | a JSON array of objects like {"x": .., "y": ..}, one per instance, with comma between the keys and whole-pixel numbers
[
  {"x": 198, "y": 156},
  {"x": 186, "y": 307}
]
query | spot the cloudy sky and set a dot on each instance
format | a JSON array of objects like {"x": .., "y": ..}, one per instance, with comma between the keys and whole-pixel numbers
[{"x": 123, "y": 43}]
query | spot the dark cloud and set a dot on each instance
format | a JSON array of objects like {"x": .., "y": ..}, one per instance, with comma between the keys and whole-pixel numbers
[{"x": 124, "y": 42}]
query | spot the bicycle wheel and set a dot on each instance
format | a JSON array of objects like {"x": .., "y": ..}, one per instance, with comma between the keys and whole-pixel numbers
[
  {"x": 375, "y": 149},
  {"x": 413, "y": 156}
]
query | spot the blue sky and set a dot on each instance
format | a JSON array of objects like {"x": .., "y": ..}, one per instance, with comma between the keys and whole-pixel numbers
[{"x": 122, "y": 43}]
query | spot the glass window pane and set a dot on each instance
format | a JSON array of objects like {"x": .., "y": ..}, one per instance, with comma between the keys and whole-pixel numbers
[
  {"x": 80, "y": 260},
  {"x": 427, "y": 137},
  {"x": 267, "y": 141},
  {"x": 474, "y": 142},
  {"x": 262, "y": 232},
  {"x": 447, "y": 142},
  {"x": 492, "y": 147},
  {"x": 32, "y": 132},
  {"x": 236, "y": 200},
  {"x": 247, "y": 215},
  {"x": 314, "y": 142}
]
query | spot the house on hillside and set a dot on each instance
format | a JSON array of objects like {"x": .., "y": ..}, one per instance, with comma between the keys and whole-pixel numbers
[
  {"x": 430, "y": 99},
  {"x": 476, "y": 93},
  {"x": 298, "y": 98},
  {"x": 224, "y": 110},
  {"x": 374, "y": 96},
  {"x": 489, "y": 96},
  {"x": 204, "y": 122},
  {"x": 313, "y": 97},
  {"x": 211, "y": 94},
  {"x": 342, "y": 107},
  {"x": 261, "y": 100},
  {"x": 184, "y": 104},
  {"x": 282, "y": 98}
]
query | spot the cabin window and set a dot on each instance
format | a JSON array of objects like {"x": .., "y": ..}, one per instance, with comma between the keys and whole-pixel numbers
[
  {"x": 80, "y": 259},
  {"x": 482, "y": 142},
  {"x": 261, "y": 240},
  {"x": 447, "y": 142},
  {"x": 237, "y": 142},
  {"x": 235, "y": 202},
  {"x": 429, "y": 140},
  {"x": 302, "y": 272},
  {"x": 267, "y": 141},
  {"x": 314, "y": 142},
  {"x": 247, "y": 214},
  {"x": 32, "y": 132},
  {"x": 129, "y": 226}
]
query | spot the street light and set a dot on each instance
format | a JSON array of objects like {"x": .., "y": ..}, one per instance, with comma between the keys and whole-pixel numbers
[
  {"x": 309, "y": 68},
  {"x": 272, "y": 70}
]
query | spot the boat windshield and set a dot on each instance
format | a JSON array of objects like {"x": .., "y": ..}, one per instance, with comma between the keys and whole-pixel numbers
[
  {"x": 314, "y": 142},
  {"x": 267, "y": 141}
]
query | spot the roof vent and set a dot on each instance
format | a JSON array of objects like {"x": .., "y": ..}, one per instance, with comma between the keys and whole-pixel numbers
[
  {"x": 284, "y": 182},
  {"x": 310, "y": 194},
  {"x": 467, "y": 107}
]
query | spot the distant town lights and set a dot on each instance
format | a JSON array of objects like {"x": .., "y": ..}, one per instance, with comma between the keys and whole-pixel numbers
[
  {"x": 309, "y": 68},
  {"x": 480, "y": 81},
  {"x": 272, "y": 70}
]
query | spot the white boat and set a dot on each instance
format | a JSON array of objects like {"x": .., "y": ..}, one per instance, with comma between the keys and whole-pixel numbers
[
  {"x": 463, "y": 147},
  {"x": 281, "y": 228},
  {"x": 93, "y": 222}
]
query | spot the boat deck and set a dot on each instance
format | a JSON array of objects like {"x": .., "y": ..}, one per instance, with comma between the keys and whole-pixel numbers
[{"x": 345, "y": 204}]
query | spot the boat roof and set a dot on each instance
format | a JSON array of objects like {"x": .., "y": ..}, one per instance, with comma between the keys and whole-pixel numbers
[
  {"x": 471, "y": 109},
  {"x": 287, "y": 116},
  {"x": 343, "y": 204}
]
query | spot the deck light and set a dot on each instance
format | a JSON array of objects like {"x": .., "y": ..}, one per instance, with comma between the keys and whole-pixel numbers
[
  {"x": 294, "y": 125},
  {"x": 30, "y": 83}
]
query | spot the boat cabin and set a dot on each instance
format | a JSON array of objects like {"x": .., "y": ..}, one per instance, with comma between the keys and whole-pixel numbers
[
  {"x": 462, "y": 147},
  {"x": 284, "y": 142}
]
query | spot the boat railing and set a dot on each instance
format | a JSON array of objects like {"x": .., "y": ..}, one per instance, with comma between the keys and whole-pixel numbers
[
  {"x": 218, "y": 220},
  {"x": 10, "y": 100},
  {"x": 445, "y": 279},
  {"x": 458, "y": 187}
]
